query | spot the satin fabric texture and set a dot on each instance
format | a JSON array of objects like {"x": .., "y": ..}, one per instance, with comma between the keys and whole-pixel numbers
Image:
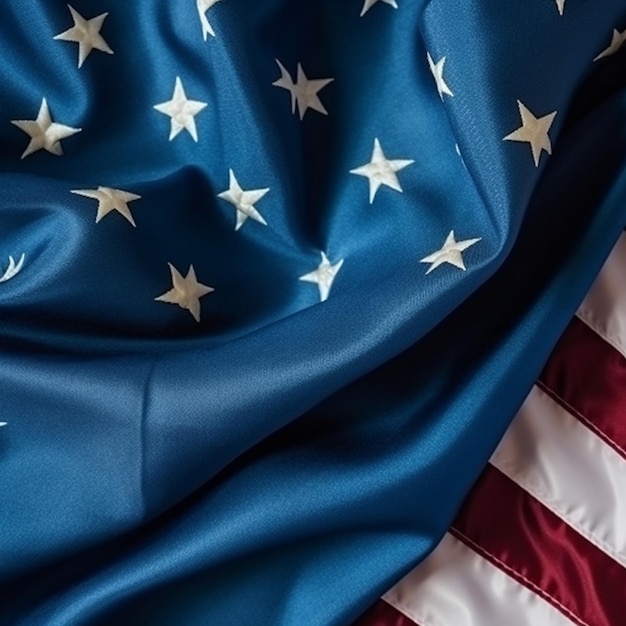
[{"x": 282, "y": 461}]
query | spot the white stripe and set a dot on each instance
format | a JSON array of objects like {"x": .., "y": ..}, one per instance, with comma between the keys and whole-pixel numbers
[
  {"x": 569, "y": 469},
  {"x": 455, "y": 586},
  {"x": 604, "y": 307}
]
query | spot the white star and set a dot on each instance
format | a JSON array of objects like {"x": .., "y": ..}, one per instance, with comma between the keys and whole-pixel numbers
[
  {"x": 182, "y": 111},
  {"x": 449, "y": 253},
  {"x": 324, "y": 276},
  {"x": 437, "y": 72},
  {"x": 534, "y": 130},
  {"x": 86, "y": 33},
  {"x": 381, "y": 171},
  {"x": 44, "y": 133},
  {"x": 186, "y": 292},
  {"x": 3, "y": 424},
  {"x": 617, "y": 41},
  {"x": 203, "y": 6},
  {"x": 368, "y": 4},
  {"x": 243, "y": 201},
  {"x": 304, "y": 92},
  {"x": 110, "y": 200},
  {"x": 13, "y": 269},
  {"x": 560, "y": 5}
]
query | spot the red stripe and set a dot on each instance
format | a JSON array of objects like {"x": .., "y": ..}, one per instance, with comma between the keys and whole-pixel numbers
[
  {"x": 506, "y": 525},
  {"x": 587, "y": 376},
  {"x": 383, "y": 614}
]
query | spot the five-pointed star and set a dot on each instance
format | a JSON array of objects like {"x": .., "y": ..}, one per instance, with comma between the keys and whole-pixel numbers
[
  {"x": 44, "y": 133},
  {"x": 560, "y": 5},
  {"x": 617, "y": 41},
  {"x": 186, "y": 292},
  {"x": 110, "y": 200},
  {"x": 437, "y": 72},
  {"x": 182, "y": 111},
  {"x": 324, "y": 276},
  {"x": 304, "y": 91},
  {"x": 534, "y": 130},
  {"x": 203, "y": 6},
  {"x": 243, "y": 201},
  {"x": 368, "y": 4},
  {"x": 86, "y": 33},
  {"x": 449, "y": 253},
  {"x": 13, "y": 269},
  {"x": 381, "y": 171}
]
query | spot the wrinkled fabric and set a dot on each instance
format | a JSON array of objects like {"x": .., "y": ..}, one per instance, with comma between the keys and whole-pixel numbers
[{"x": 282, "y": 461}]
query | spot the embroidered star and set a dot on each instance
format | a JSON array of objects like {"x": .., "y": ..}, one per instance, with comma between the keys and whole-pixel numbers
[
  {"x": 304, "y": 91},
  {"x": 617, "y": 41},
  {"x": 186, "y": 292},
  {"x": 324, "y": 276},
  {"x": 13, "y": 269},
  {"x": 86, "y": 33},
  {"x": 449, "y": 253},
  {"x": 182, "y": 111},
  {"x": 534, "y": 130},
  {"x": 110, "y": 200},
  {"x": 243, "y": 201},
  {"x": 203, "y": 6},
  {"x": 44, "y": 133},
  {"x": 437, "y": 72},
  {"x": 368, "y": 4},
  {"x": 381, "y": 171},
  {"x": 560, "y": 5}
]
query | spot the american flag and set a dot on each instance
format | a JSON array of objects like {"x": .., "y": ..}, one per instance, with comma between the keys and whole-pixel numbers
[{"x": 275, "y": 276}]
